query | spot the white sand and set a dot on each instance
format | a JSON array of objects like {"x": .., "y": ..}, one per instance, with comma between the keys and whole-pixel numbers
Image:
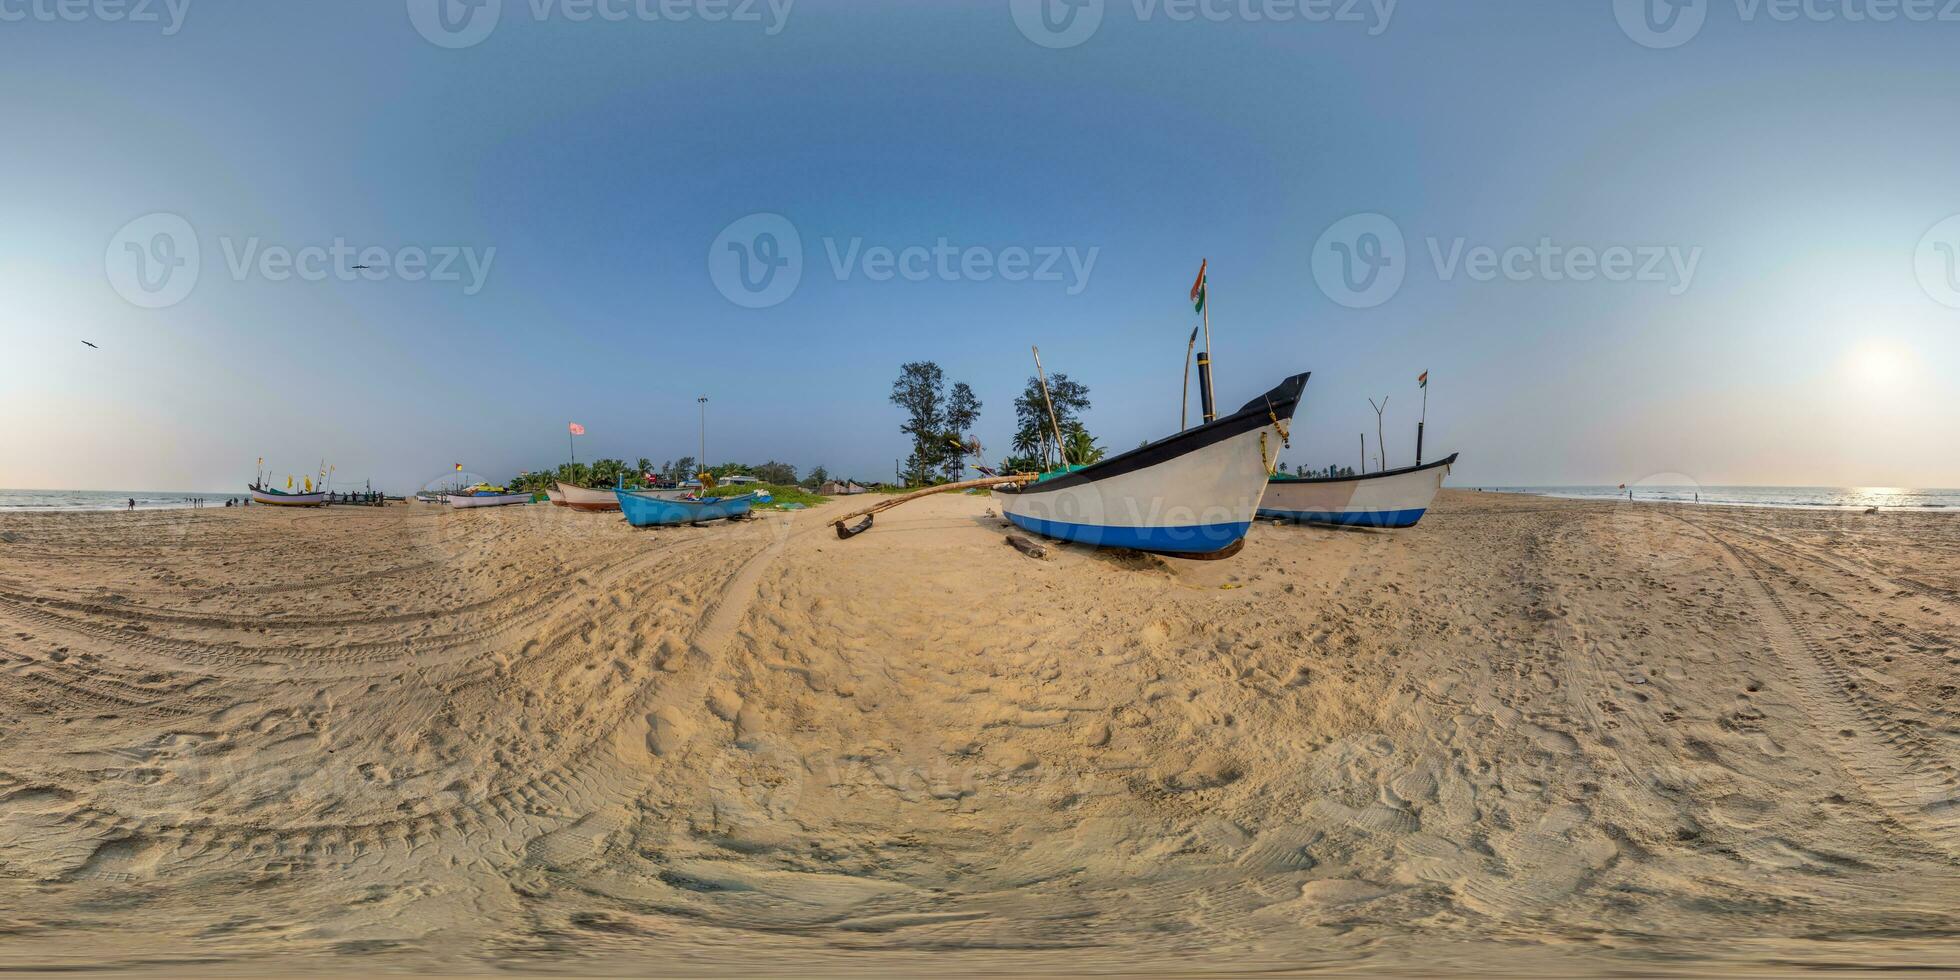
[{"x": 1528, "y": 736}]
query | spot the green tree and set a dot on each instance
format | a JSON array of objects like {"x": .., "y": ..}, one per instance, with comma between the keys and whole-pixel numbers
[
  {"x": 1034, "y": 434},
  {"x": 962, "y": 413},
  {"x": 1082, "y": 448},
  {"x": 780, "y": 474},
  {"x": 920, "y": 391},
  {"x": 818, "y": 476}
]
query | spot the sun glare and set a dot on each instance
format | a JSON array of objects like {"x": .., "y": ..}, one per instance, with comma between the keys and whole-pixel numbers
[{"x": 1875, "y": 364}]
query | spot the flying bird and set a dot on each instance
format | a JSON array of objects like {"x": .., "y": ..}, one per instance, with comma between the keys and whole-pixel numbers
[
  {"x": 91, "y": 345},
  {"x": 363, "y": 267}
]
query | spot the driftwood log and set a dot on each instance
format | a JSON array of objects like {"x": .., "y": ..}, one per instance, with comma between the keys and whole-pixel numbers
[
  {"x": 1026, "y": 547},
  {"x": 846, "y": 530}
]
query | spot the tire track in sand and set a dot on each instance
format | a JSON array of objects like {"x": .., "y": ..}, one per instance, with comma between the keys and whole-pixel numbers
[{"x": 1911, "y": 779}]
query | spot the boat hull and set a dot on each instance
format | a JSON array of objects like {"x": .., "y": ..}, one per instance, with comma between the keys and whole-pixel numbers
[
  {"x": 643, "y": 510},
  {"x": 580, "y": 498},
  {"x": 288, "y": 499},
  {"x": 1391, "y": 500},
  {"x": 488, "y": 500},
  {"x": 1194, "y": 493}
]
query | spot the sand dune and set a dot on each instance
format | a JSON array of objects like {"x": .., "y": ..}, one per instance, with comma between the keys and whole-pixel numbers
[{"x": 1529, "y": 736}]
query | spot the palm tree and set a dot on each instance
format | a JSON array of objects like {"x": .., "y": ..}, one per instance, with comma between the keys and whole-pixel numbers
[{"x": 1082, "y": 448}]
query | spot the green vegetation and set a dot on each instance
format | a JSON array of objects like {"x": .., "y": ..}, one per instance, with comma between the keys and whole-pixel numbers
[
  {"x": 1034, "y": 437},
  {"x": 936, "y": 422},
  {"x": 780, "y": 494},
  {"x": 599, "y": 473}
]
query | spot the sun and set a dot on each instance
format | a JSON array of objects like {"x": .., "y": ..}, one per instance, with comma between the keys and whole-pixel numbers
[{"x": 1876, "y": 364}]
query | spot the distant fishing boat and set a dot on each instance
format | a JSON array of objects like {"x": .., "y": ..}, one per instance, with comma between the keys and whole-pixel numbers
[
  {"x": 283, "y": 498},
  {"x": 1391, "y": 499},
  {"x": 580, "y": 498},
  {"x": 1192, "y": 494},
  {"x": 647, "y": 508},
  {"x": 482, "y": 496}
]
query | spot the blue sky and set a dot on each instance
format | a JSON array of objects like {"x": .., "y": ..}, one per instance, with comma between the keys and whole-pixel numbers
[{"x": 1797, "y": 167}]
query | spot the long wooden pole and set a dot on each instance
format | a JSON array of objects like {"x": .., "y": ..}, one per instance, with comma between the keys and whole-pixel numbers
[
  {"x": 1052, "y": 420},
  {"x": 1184, "y": 394},
  {"x": 843, "y": 531},
  {"x": 1209, "y": 377},
  {"x": 1383, "y": 446}
]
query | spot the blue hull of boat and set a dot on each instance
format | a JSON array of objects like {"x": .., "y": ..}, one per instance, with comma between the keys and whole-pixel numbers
[
  {"x": 1359, "y": 518},
  {"x": 651, "y": 512},
  {"x": 1197, "y": 539}
]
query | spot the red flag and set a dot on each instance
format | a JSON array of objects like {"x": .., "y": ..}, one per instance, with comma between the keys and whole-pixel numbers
[{"x": 577, "y": 429}]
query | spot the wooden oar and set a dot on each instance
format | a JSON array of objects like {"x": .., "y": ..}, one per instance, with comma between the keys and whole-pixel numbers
[{"x": 845, "y": 531}]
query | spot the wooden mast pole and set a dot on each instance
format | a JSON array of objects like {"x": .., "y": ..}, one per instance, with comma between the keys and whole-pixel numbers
[
  {"x": 1056, "y": 423},
  {"x": 1184, "y": 399}
]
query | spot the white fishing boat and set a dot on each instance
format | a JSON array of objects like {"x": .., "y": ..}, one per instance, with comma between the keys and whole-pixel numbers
[
  {"x": 281, "y": 498},
  {"x": 488, "y": 497},
  {"x": 1192, "y": 494},
  {"x": 580, "y": 498},
  {"x": 1390, "y": 499}
]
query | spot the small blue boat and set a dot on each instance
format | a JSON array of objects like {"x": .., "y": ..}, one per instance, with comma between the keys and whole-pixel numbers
[{"x": 642, "y": 510}]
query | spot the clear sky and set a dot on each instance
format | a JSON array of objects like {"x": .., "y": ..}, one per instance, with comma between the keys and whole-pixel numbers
[{"x": 1778, "y": 314}]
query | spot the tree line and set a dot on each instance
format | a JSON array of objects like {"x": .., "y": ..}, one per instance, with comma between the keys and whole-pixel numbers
[
  {"x": 603, "y": 473},
  {"x": 939, "y": 421}
]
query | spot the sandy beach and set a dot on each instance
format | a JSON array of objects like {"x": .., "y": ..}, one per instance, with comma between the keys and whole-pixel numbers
[{"x": 1528, "y": 736}]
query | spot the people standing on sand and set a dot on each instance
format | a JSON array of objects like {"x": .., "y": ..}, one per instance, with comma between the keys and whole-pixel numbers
[{"x": 132, "y": 503}]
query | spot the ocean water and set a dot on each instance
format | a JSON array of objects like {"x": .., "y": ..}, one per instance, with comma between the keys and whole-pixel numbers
[
  {"x": 50, "y": 500},
  {"x": 1812, "y": 498}
]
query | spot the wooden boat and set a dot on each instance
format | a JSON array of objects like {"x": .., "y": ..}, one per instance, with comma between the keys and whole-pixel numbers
[
  {"x": 1391, "y": 499},
  {"x": 1192, "y": 494},
  {"x": 643, "y": 508},
  {"x": 283, "y": 498},
  {"x": 488, "y": 497},
  {"x": 580, "y": 498}
]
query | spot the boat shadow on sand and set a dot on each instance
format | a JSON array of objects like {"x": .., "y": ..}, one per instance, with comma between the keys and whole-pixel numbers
[{"x": 1123, "y": 558}]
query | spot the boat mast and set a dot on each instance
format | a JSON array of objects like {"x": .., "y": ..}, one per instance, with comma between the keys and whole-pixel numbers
[
  {"x": 1379, "y": 444},
  {"x": 1184, "y": 399},
  {"x": 1060, "y": 451},
  {"x": 1201, "y": 295}
]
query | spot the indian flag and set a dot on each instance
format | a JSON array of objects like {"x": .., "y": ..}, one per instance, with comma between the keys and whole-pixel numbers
[
  {"x": 1198, "y": 288},
  {"x": 1422, "y": 380}
]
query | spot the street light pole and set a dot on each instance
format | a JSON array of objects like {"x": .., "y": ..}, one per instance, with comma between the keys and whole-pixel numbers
[{"x": 703, "y": 464}]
